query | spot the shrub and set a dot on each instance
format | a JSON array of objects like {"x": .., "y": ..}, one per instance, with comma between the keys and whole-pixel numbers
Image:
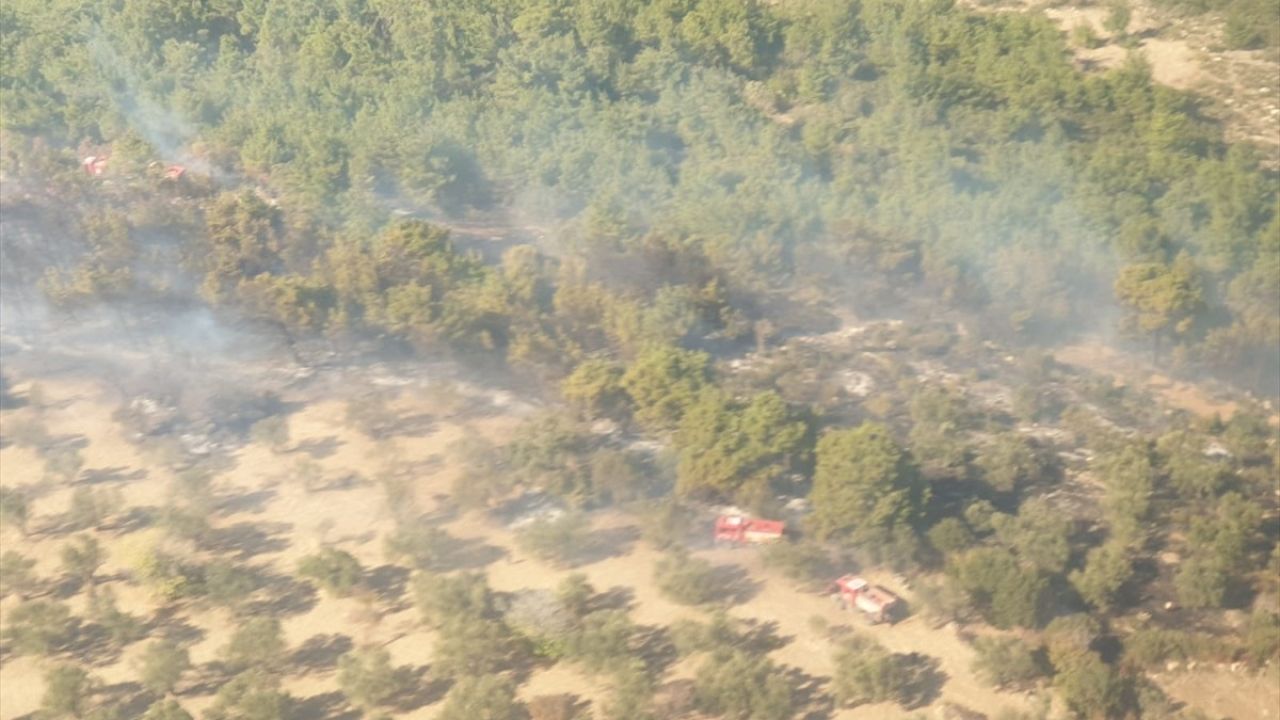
[
  {"x": 423, "y": 547},
  {"x": 37, "y": 627},
  {"x": 805, "y": 562},
  {"x": 867, "y": 673},
  {"x": 121, "y": 627},
  {"x": 666, "y": 524},
  {"x": 481, "y": 698},
  {"x": 272, "y": 432},
  {"x": 166, "y": 710},
  {"x": 603, "y": 640},
  {"x": 81, "y": 558},
  {"x": 15, "y": 508},
  {"x": 1262, "y": 638},
  {"x": 336, "y": 571},
  {"x": 685, "y": 579},
  {"x": 67, "y": 691},
  {"x": 1005, "y": 662},
  {"x": 575, "y": 593},
  {"x": 368, "y": 678},
  {"x": 258, "y": 643},
  {"x": 16, "y": 574},
  {"x": 470, "y": 647},
  {"x": 554, "y": 540},
  {"x": 251, "y": 695},
  {"x": 951, "y": 535},
  {"x": 444, "y": 598},
  {"x": 733, "y": 684},
  {"x": 162, "y": 665}
]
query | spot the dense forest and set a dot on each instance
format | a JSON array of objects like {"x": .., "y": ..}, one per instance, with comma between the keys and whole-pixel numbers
[
  {"x": 674, "y": 184},
  {"x": 896, "y": 150}
]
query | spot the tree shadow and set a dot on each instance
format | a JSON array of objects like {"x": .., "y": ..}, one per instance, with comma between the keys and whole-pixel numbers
[
  {"x": 809, "y": 694},
  {"x": 675, "y": 698},
  {"x": 319, "y": 448},
  {"x": 607, "y": 543},
  {"x": 167, "y": 625},
  {"x": 618, "y": 597},
  {"x": 427, "y": 690},
  {"x": 244, "y": 540},
  {"x": 388, "y": 582},
  {"x": 561, "y": 705},
  {"x": 250, "y": 502},
  {"x": 419, "y": 425},
  {"x": 135, "y": 519},
  {"x": 320, "y": 652},
  {"x": 284, "y": 596},
  {"x": 92, "y": 645},
  {"x": 127, "y": 699},
  {"x": 471, "y": 554},
  {"x": 925, "y": 683},
  {"x": 329, "y": 706},
  {"x": 96, "y": 476},
  {"x": 762, "y": 637},
  {"x": 734, "y": 585},
  {"x": 652, "y": 644}
]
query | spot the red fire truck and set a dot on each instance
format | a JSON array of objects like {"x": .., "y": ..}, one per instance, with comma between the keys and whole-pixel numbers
[
  {"x": 740, "y": 529},
  {"x": 877, "y": 603}
]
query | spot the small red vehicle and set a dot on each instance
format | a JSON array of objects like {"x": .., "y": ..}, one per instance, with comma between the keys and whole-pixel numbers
[
  {"x": 740, "y": 529},
  {"x": 877, "y": 603}
]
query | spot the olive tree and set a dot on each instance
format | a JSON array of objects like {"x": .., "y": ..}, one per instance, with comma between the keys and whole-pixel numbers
[
  {"x": 68, "y": 691},
  {"x": 37, "y": 627},
  {"x": 16, "y": 574},
  {"x": 336, "y": 571},
  {"x": 685, "y": 579},
  {"x": 1005, "y": 662},
  {"x": 162, "y": 665},
  {"x": 81, "y": 558},
  {"x": 257, "y": 643},
  {"x": 489, "y": 697},
  {"x": 166, "y": 709},
  {"x": 368, "y": 678}
]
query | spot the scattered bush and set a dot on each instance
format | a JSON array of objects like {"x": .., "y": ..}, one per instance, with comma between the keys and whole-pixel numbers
[
  {"x": 251, "y": 695},
  {"x": 272, "y": 432},
  {"x": 336, "y": 571},
  {"x": 67, "y": 691},
  {"x": 166, "y": 710},
  {"x": 121, "y": 627},
  {"x": 481, "y": 698},
  {"x": 804, "y": 562},
  {"x": 1006, "y": 662},
  {"x": 423, "y": 547},
  {"x": 16, "y": 574},
  {"x": 734, "y": 684},
  {"x": 38, "y": 627},
  {"x": 81, "y": 558},
  {"x": 15, "y": 508},
  {"x": 368, "y": 678},
  {"x": 444, "y": 598},
  {"x": 257, "y": 643},
  {"x": 868, "y": 673},
  {"x": 685, "y": 579},
  {"x": 162, "y": 665},
  {"x": 602, "y": 641},
  {"x": 556, "y": 540}
]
